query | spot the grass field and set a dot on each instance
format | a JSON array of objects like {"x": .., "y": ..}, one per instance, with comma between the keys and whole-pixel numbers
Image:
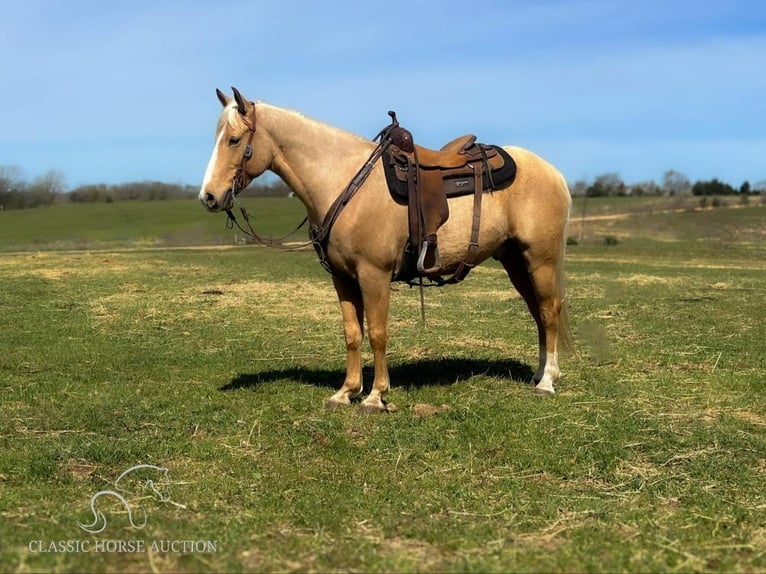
[{"x": 120, "y": 346}]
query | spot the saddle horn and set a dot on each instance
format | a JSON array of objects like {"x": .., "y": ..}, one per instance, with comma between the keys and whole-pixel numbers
[{"x": 400, "y": 137}]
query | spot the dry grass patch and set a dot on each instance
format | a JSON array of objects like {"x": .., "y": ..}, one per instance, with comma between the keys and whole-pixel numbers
[
  {"x": 313, "y": 300},
  {"x": 751, "y": 417},
  {"x": 637, "y": 468},
  {"x": 427, "y": 410},
  {"x": 551, "y": 537},
  {"x": 641, "y": 279},
  {"x": 55, "y": 266},
  {"x": 427, "y": 556},
  {"x": 79, "y": 470}
]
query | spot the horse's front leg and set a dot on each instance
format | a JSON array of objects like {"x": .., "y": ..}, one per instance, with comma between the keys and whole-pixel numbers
[
  {"x": 351, "y": 306},
  {"x": 376, "y": 292}
]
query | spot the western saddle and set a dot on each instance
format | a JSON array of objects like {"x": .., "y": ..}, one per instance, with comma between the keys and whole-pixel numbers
[
  {"x": 426, "y": 178},
  {"x": 423, "y": 179}
]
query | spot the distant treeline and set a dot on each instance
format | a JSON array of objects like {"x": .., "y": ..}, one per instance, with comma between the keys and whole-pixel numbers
[
  {"x": 673, "y": 183},
  {"x": 17, "y": 193}
]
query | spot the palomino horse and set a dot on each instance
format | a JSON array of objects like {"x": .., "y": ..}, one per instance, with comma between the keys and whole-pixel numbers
[{"x": 522, "y": 226}]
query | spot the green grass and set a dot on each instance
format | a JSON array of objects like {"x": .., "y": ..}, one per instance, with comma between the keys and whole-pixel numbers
[
  {"x": 138, "y": 224},
  {"x": 215, "y": 363},
  {"x": 651, "y": 204}
]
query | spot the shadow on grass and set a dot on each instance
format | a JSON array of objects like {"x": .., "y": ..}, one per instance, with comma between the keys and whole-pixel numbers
[{"x": 413, "y": 374}]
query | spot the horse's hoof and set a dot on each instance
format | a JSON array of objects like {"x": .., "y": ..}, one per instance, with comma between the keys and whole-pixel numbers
[
  {"x": 372, "y": 409},
  {"x": 333, "y": 404},
  {"x": 377, "y": 407},
  {"x": 544, "y": 391}
]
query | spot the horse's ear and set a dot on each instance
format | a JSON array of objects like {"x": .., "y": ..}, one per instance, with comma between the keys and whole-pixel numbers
[
  {"x": 241, "y": 101},
  {"x": 223, "y": 98}
]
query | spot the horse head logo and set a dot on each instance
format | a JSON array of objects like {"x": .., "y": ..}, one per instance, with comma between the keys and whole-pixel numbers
[{"x": 135, "y": 484}]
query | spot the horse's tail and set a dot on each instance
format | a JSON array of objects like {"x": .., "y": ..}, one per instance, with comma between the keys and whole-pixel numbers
[{"x": 566, "y": 342}]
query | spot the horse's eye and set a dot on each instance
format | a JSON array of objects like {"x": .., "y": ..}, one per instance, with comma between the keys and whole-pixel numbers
[{"x": 233, "y": 141}]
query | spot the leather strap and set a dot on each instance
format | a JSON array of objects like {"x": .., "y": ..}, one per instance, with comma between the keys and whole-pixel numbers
[
  {"x": 320, "y": 234},
  {"x": 279, "y": 243},
  {"x": 469, "y": 262},
  {"x": 238, "y": 184}
]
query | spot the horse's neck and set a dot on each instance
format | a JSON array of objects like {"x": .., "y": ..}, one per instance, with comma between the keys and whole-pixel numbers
[{"x": 315, "y": 160}]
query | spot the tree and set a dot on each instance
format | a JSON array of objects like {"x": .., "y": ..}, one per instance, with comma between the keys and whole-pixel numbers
[
  {"x": 91, "y": 193},
  {"x": 12, "y": 188},
  {"x": 578, "y": 188},
  {"x": 712, "y": 187},
  {"x": 645, "y": 188},
  {"x": 607, "y": 185},
  {"x": 10, "y": 178},
  {"x": 675, "y": 183},
  {"x": 45, "y": 189}
]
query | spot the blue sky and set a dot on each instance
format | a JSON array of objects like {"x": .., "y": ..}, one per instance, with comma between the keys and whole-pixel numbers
[{"x": 124, "y": 91}]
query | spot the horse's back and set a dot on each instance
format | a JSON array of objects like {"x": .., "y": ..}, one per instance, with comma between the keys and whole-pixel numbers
[{"x": 535, "y": 173}]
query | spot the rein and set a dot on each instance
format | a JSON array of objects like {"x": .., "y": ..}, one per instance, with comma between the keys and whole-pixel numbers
[{"x": 275, "y": 242}]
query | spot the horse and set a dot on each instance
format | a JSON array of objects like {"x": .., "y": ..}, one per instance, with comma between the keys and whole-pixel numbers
[{"x": 522, "y": 226}]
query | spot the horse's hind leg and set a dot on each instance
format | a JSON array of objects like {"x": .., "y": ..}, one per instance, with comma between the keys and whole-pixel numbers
[
  {"x": 537, "y": 282},
  {"x": 350, "y": 297}
]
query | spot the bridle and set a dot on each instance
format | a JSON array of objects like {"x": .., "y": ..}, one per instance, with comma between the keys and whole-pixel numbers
[{"x": 238, "y": 184}]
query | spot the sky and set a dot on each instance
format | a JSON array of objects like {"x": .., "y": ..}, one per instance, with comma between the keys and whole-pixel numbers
[{"x": 122, "y": 91}]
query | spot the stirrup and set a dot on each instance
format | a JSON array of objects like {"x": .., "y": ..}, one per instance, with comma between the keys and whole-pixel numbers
[{"x": 422, "y": 259}]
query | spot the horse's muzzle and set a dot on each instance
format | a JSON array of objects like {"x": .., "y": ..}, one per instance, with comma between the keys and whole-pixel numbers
[{"x": 212, "y": 204}]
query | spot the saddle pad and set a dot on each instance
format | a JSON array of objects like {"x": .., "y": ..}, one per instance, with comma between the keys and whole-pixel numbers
[{"x": 502, "y": 177}]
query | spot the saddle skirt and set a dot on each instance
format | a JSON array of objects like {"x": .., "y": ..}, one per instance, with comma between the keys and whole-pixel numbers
[{"x": 450, "y": 169}]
